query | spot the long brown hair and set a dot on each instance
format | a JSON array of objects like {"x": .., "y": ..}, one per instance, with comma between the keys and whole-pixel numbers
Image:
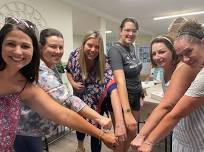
[{"x": 100, "y": 63}]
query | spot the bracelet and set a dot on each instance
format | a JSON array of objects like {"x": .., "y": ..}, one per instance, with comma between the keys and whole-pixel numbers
[{"x": 149, "y": 143}]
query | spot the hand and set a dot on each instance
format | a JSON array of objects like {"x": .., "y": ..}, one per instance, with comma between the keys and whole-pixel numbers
[
  {"x": 109, "y": 140},
  {"x": 130, "y": 122},
  {"x": 105, "y": 123},
  {"x": 137, "y": 141},
  {"x": 146, "y": 147},
  {"x": 120, "y": 132},
  {"x": 78, "y": 87}
]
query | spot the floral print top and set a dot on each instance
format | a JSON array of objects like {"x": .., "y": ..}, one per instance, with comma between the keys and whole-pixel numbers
[
  {"x": 32, "y": 124},
  {"x": 94, "y": 92},
  {"x": 9, "y": 116}
]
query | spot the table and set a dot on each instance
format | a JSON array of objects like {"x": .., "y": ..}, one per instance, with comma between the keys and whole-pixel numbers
[{"x": 150, "y": 104}]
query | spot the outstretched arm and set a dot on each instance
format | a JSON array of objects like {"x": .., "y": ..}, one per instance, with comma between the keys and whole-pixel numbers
[
  {"x": 183, "y": 108},
  {"x": 122, "y": 90},
  {"x": 93, "y": 115},
  {"x": 120, "y": 130},
  {"x": 180, "y": 81},
  {"x": 42, "y": 103}
]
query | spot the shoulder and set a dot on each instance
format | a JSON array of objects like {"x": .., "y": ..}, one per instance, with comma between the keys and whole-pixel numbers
[
  {"x": 30, "y": 91},
  {"x": 184, "y": 69},
  {"x": 197, "y": 86}
]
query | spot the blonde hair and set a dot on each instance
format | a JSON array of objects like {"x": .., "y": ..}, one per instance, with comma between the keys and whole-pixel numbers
[{"x": 100, "y": 61}]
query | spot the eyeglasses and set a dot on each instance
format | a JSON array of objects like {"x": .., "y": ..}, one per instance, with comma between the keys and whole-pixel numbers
[
  {"x": 16, "y": 21},
  {"x": 134, "y": 31}
]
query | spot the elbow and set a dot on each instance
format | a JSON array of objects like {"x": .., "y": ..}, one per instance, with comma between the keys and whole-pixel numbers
[
  {"x": 64, "y": 118},
  {"x": 176, "y": 116}
]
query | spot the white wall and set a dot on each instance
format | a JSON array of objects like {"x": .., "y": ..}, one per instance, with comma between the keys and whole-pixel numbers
[
  {"x": 77, "y": 39},
  {"x": 57, "y": 15}
]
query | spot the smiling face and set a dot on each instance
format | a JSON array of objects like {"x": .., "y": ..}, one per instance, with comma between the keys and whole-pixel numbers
[
  {"x": 161, "y": 55},
  {"x": 189, "y": 52},
  {"x": 53, "y": 50},
  {"x": 91, "y": 49},
  {"x": 128, "y": 33},
  {"x": 17, "y": 49}
]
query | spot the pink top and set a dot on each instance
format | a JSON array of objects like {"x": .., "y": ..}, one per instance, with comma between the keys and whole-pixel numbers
[{"x": 9, "y": 116}]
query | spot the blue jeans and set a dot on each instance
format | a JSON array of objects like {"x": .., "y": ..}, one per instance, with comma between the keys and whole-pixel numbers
[{"x": 28, "y": 144}]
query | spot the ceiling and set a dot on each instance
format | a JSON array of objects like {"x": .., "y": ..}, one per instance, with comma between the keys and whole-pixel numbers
[{"x": 86, "y": 13}]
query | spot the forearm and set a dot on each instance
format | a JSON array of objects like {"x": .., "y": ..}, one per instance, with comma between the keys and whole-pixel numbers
[
  {"x": 70, "y": 78},
  {"x": 123, "y": 97},
  {"x": 117, "y": 110},
  {"x": 90, "y": 113},
  {"x": 75, "y": 121},
  {"x": 122, "y": 89},
  {"x": 162, "y": 130},
  {"x": 50, "y": 109},
  {"x": 153, "y": 120}
]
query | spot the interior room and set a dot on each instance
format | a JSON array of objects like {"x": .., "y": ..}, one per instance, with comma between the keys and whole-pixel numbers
[{"x": 73, "y": 18}]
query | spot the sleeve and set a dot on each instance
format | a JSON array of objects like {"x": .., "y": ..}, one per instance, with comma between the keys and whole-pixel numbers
[
  {"x": 115, "y": 58},
  {"x": 68, "y": 66},
  {"x": 71, "y": 61},
  {"x": 197, "y": 86},
  {"x": 75, "y": 103}
]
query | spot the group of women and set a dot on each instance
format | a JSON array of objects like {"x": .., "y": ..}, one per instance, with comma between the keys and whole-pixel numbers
[{"x": 100, "y": 84}]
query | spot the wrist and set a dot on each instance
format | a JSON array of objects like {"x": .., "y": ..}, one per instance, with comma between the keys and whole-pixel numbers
[
  {"x": 139, "y": 136},
  {"x": 102, "y": 133},
  {"x": 127, "y": 110},
  {"x": 118, "y": 125},
  {"x": 149, "y": 143}
]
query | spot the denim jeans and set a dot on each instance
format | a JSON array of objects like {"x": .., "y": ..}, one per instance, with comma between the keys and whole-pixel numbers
[{"x": 28, "y": 144}]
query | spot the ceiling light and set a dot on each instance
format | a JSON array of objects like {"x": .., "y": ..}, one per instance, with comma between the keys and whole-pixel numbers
[
  {"x": 178, "y": 15},
  {"x": 107, "y": 32}
]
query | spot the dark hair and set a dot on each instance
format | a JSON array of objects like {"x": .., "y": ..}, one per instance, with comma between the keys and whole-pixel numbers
[
  {"x": 30, "y": 71},
  {"x": 129, "y": 19},
  {"x": 44, "y": 34},
  {"x": 168, "y": 42},
  {"x": 191, "y": 30}
]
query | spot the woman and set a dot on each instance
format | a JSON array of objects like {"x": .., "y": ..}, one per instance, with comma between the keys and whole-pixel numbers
[
  {"x": 188, "y": 111},
  {"x": 19, "y": 65},
  {"x": 126, "y": 68},
  {"x": 31, "y": 126},
  {"x": 176, "y": 74},
  {"x": 91, "y": 77}
]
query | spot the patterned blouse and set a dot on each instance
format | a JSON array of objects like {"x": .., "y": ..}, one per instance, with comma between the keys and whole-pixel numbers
[
  {"x": 9, "y": 116},
  {"x": 31, "y": 124},
  {"x": 94, "y": 92}
]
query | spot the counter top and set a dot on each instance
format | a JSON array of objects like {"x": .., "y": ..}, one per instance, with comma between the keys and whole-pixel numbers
[{"x": 150, "y": 87}]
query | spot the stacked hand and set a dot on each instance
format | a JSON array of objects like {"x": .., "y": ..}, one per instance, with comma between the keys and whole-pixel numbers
[
  {"x": 120, "y": 132},
  {"x": 145, "y": 147},
  {"x": 141, "y": 145},
  {"x": 105, "y": 123},
  {"x": 137, "y": 141},
  {"x": 110, "y": 140}
]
